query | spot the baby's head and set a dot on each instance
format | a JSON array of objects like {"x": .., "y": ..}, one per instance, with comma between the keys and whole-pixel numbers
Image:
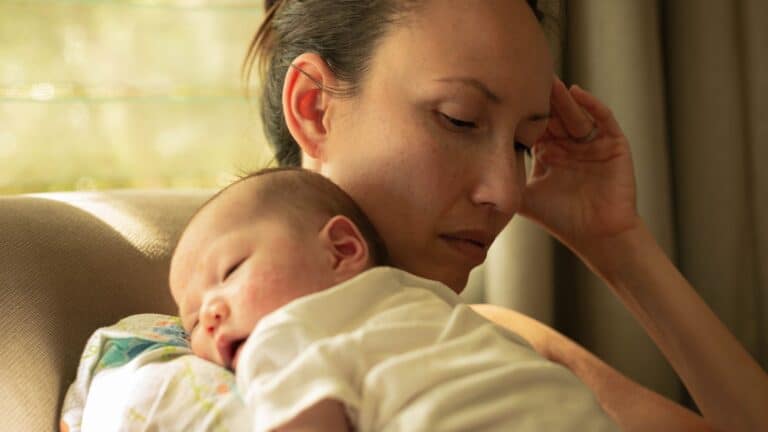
[{"x": 267, "y": 239}]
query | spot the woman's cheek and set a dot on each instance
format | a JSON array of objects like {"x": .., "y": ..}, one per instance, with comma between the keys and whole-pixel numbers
[{"x": 441, "y": 164}]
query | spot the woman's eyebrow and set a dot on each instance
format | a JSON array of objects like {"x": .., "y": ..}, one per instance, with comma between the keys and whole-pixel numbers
[
  {"x": 472, "y": 82},
  {"x": 493, "y": 97}
]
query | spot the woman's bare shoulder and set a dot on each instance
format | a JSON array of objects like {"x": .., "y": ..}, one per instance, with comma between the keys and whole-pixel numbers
[
  {"x": 626, "y": 401},
  {"x": 538, "y": 334}
]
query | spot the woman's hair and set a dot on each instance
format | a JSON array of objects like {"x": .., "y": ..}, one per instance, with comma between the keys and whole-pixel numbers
[{"x": 343, "y": 32}]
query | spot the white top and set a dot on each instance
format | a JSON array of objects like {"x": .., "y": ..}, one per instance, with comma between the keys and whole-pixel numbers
[{"x": 403, "y": 353}]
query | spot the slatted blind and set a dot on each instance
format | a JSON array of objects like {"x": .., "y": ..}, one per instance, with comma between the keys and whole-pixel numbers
[{"x": 99, "y": 94}]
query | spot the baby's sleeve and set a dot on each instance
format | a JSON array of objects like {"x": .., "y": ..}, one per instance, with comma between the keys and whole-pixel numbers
[{"x": 288, "y": 366}]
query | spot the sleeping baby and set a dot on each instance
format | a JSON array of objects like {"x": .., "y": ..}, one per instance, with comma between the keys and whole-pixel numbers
[{"x": 281, "y": 278}]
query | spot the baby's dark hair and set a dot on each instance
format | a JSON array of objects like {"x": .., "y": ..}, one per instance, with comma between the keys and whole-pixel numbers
[
  {"x": 295, "y": 193},
  {"x": 343, "y": 32}
]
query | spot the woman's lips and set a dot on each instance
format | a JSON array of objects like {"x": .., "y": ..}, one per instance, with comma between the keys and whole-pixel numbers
[{"x": 473, "y": 250}]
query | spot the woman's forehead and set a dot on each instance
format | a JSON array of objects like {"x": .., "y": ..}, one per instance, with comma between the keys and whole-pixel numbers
[{"x": 498, "y": 42}]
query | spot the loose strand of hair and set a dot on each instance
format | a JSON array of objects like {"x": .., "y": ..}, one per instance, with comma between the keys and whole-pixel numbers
[{"x": 259, "y": 50}]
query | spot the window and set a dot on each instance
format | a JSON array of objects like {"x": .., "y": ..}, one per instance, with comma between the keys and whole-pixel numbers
[{"x": 98, "y": 94}]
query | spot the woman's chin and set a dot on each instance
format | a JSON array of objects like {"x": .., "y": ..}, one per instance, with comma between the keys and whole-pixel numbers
[
  {"x": 456, "y": 279},
  {"x": 459, "y": 286},
  {"x": 456, "y": 282}
]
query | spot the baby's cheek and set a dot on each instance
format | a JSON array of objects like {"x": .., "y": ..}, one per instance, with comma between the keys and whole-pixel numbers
[
  {"x": 198, "y": 347},
  {"x": 260, "y": 291}
]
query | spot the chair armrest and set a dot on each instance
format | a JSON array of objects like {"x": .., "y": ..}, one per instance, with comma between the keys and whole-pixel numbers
[{"x": 73, "y": 262}]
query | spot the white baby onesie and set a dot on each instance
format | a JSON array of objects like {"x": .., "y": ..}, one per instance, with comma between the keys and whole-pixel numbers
[{"x": 402, "y": 353}]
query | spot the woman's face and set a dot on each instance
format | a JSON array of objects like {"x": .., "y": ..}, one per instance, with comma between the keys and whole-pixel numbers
[{"x": 431, "y": 147}]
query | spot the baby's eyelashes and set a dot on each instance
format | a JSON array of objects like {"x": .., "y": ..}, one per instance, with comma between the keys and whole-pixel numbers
[{"x": 232, "y": 269}]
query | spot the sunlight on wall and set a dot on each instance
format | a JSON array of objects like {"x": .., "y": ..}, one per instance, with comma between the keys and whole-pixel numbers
[{"x": 125, "y": 93}]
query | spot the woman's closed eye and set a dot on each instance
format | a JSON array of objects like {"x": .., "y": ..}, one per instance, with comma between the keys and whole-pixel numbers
[{"x": 458, "y": 124}]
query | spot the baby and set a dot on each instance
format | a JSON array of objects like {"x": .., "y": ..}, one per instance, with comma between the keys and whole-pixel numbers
[
  {"x": 285, "y": 260},
  {"x": 271, "y": 237}
]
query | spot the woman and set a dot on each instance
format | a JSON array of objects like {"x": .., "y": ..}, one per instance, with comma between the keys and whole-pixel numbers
[{"x": 423, "y": 111}]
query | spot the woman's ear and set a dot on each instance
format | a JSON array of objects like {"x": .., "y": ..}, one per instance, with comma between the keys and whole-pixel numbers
[
  {"x": 348, "y": 249},
  {"x": 307, "y": 94}
]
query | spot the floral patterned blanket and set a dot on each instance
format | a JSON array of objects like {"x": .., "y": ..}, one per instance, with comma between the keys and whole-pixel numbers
[{"x": 139, "y": 374}]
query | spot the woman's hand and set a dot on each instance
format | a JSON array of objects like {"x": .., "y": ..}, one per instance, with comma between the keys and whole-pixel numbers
[
  {"x": 581, "y": 187},
  {"x": 583, "y": 191}
]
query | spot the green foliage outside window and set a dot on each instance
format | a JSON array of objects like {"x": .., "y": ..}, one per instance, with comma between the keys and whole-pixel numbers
[{"x": 125, "y": 93}]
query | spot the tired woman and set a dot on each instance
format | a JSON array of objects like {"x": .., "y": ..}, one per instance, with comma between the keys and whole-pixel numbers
[{"x": 424, "y": 110}]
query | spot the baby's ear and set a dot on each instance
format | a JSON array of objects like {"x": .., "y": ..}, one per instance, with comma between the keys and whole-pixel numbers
[{"x": 348, "y": 248}]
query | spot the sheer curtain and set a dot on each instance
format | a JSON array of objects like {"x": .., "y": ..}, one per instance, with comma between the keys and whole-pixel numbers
[
  {"x": 125, "y": 93},
  {"x": 689, "y": 86}
]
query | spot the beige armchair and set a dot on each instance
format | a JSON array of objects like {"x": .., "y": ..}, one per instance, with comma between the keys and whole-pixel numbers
[{"x": 70, "y": 263}]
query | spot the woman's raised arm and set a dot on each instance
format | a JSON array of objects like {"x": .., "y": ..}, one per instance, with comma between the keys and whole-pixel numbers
[
  {"x": 582, "y": 190},
  {"x": 729, "y": 387}
]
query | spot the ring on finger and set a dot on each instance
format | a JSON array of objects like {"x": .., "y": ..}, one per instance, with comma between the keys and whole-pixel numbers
[{"x": 588, "y": 137}]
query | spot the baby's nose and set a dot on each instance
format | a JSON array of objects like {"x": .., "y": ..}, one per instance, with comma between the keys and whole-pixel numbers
[{"x": 213, "y": 314}]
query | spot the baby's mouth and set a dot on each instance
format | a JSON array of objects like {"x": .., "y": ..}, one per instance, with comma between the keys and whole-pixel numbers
[
  {"x": 229, "y": 350},
  {"x": 235, "y": 349}
]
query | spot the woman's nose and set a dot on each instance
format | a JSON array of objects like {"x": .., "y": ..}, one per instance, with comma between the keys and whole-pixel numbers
[
  {"x": 213, "y": 313},
  {"x": 500, "y": 178}
]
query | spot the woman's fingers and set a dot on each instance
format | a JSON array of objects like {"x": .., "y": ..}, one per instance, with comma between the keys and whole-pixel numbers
[
  {"x": 555, "y": 127},
  {"x": 598, "y": 110},
  {"x": 577, "y": 114},
  {"x": 575, "y": 120}
]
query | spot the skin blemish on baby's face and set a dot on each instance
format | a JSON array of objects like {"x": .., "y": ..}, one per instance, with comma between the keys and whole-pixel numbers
[
  {"x": 233, "y": 266},
  {"x": 423, "y": 176}
]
